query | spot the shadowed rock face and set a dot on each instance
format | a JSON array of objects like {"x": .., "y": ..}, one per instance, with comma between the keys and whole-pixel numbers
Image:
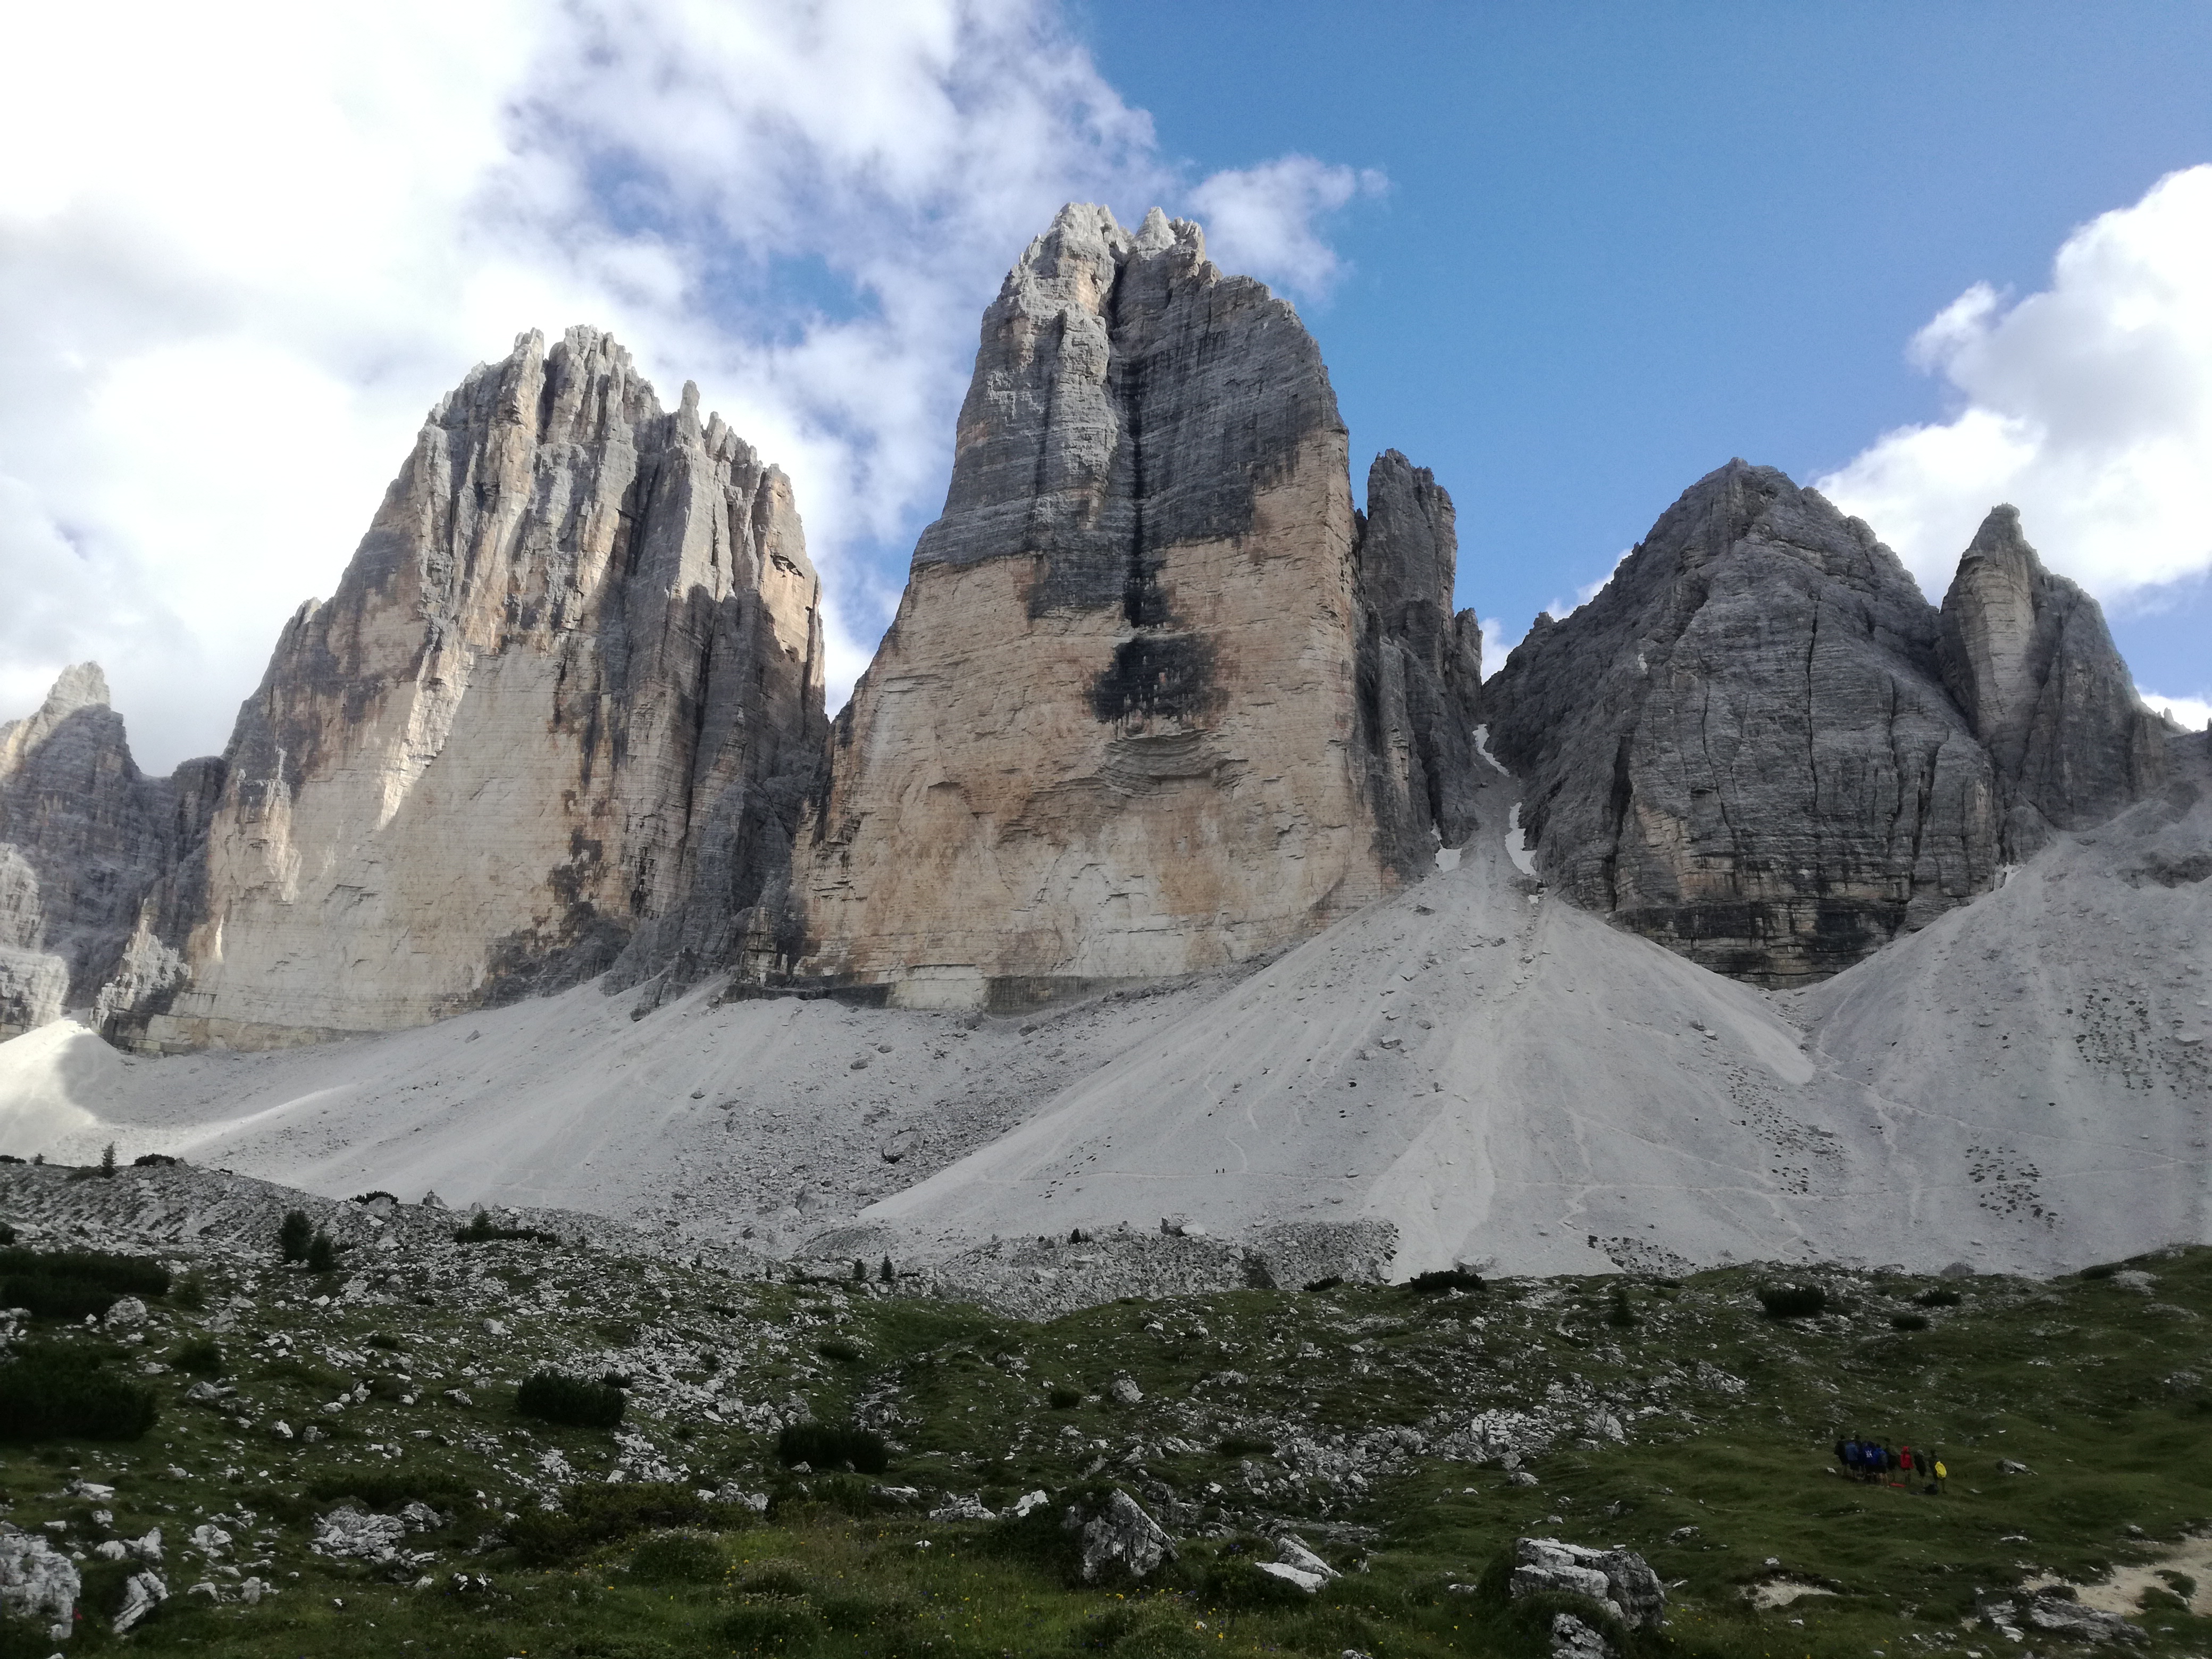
[
  {"x": 1742, "y": 747},
  {"x": 85, "y": 839},
  {"x": 1142, "y": 710},
  {"x": 2028, "y": 656},
  {"x": 558, "y": 717}
]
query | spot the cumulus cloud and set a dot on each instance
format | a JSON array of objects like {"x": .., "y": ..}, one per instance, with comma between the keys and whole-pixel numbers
[
  {"x": 2194, "y": 713},
  {"x": 2088, "y": 405},
  {"x": 243, "y": 248},
  {"x": 1266, "y": 219}
]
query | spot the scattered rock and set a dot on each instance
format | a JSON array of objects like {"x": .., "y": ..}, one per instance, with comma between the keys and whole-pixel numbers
[
  {"x": 127, "y": 1314},
  {"x": 352, "y": 1532},
  {"x": 143, "y": 1592},
  {"x": 36, "y": 1581},
  {"x": 2055, "y": 1615},
  {"x": 1621, "y": 1579},
  {"x": 1123, "y": 1390},
  {"x": 1571, "y": 1638}
]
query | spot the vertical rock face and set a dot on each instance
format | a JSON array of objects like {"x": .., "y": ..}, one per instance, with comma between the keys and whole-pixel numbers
[
  {"x": 2028, "y": 656},
  {"x": 1742, "y": 747},
  {"x": 559, "y": 715},
  {"x": 83, "y": 837},
  {"x": 1116, "y": 729},
  {"x": 1420, "y": 668}
]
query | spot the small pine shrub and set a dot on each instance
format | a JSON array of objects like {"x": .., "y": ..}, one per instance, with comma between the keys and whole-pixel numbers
[
  {"x": 2102, "y": 1270},
  {"x": 322, "y": 1254},
  {"x": 553, "y": 1398},
  {"x": 480, "y": 1230},
  {"x": 1328, "y": 1284},
  {"x": 1062, "y": 1398},
  {"x": 294, "y": 1236},
  {"x": 887, "y": 1276},
  {"x": 154, "y": 1161},
  {"x": 52, "y": 1393},
  {"x": 592, "y": 1515},
  {"x": 107, "y": 1161},
  {"x": 679, "y": 1558},
  {"x": 1442, "y": 1279},
  {"x": 201, "y": 1357},
  {"x": 7, "y": 1232},
  {"x": 1238, "y": 1445},
  {"x": 1792, "y": 1301},
  {"x": 1618, "y": 1313},
  {"x": 831, "y": 1446},
  {"x": 384, "y": 1339},
  {"x": 860, "y": 1271},
  {"x": 1905, "y": 1321},
  {"x": 837, "y": 1348},
  {"x": 1940, "y": 1296}
]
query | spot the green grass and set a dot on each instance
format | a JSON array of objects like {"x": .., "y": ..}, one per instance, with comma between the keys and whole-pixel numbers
[{"x": 1328, "y": 1412}]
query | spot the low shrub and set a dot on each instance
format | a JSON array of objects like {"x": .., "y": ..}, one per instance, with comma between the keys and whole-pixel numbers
[
  {"x": 1908, "y": 1322},
  {"x": 322, "y": 1253},
  {"x": 1940, "y": 1296},
  {"x": 1328, "y": 1284},
  {"x": 1238, "y": 1445},
  {"x": 1062, "y": 1398},
  {"x": 1442, "y": 1280},
  {"x": 384, "y": 1339},
  {"x": 55, "y": 1298},
  {"x": 771, "y": 1624},
  {"x": 552, "y": 1397},
  {"x": 837, "y": 1348},
  {"x": 53, "y": 1393},
  {"x": 1618, "y": 1313},
  {"x": 1235, "y": 1581},
  {"x": 2102, "y": 1270},
  {"x": 1792, "y": 1301},
  {"x": 679, "y": 1558},
  {"x": 479, "y": 1230},
  {"x": 154, "y": 1161},
  {"x": 831, "y": 1446},
  {"x": 125, "y": 1275},
  {"x": 201, "y": 1357},
  {"x": 593, "y": 1515}
]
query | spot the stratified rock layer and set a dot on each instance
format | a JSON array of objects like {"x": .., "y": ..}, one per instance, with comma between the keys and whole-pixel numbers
[
  {"x": 1116, "y": 729},
  {"x": 1742, "y": 747},
  {"x": 559, "y": 715},
  {"x": 2028, "y": 656}
]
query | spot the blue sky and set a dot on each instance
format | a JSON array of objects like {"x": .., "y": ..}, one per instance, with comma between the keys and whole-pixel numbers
[
  {"x": 1569, "y": 256},
  {"x": 1621, "y": 244}
]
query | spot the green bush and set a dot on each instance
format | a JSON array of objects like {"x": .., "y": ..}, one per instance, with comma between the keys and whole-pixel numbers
[
  {"x": 1940, "y": 1296},
  {"x": 1792, "y": 1301},
  {"x": 1141, "y": 1629},
  {"x": 1236, "y": 1581},
  {"x": 2102, "y": 1270},
  {"x": 1238, "y": 1445},
  {"x": 55, "y": 1298},
  {"x": 552, "y": 1397},
  {"x": 479, "y": 1230},
  {"x": 679, "y": 1558},
  {"x": 125, "y": 1275},
  {"x": 592, "y": 1515},
  {"x": 771, "y": 1624},
  {"x": 837, "y": 1348},
  {"x": 322, "y": 1253},
  {"x": 1062, "y": 1398},
  {"x": 833, "y": 1445},
  {"x": 1618, "y": 1313},
  {"x": 294, "y": 1236},
  {"x": 53, "y": 1394},
  {"x": 1908, "y": 1322},
  {"x": 201, "y": 1357},
  {"x": 1442, "y": 1279}
]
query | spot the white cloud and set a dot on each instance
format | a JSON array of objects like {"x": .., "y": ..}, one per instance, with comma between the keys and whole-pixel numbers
[
  {"x": 2195, "y": 712},
  {"x": 2088, "y": 405},
  {"x": 1498, "y": 638},
  {"x": 1262, "y": 220},
  {"x": 244, "y": 247}
]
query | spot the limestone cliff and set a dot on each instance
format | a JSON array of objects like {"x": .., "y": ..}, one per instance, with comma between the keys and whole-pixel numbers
[
  {"x": 557, "y": 717},
  {"x": 1742, "y": 746},
  {"x": 2028, "y": 656},
  {"x": 1117, "y": 730},
  {"x": 84, "y": 838}
]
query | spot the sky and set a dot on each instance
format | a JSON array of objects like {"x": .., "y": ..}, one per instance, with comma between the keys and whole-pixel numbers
[{"x": 1570, "y": 256}]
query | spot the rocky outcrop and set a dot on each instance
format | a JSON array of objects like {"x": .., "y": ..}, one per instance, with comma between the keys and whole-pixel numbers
[
  {"x": 557, "y": 718},
  {"x": 84, "y": 839},
  {"x": 1420, "y": 668},
  {"x": 2028, "y": 656},
  {"x": 1142, "y": 710},
  {"x": 1742, "y": 746}
]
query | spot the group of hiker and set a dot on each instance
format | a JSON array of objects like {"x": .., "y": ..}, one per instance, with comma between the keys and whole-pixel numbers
[{"x": 1873, "y": 1461}]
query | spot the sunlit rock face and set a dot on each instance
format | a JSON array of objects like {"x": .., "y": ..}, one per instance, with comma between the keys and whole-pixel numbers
[
  {"x": 1116, "y": 732},
  {"x": 1743, "y": 747},
  {"x": 557, "y": 718}
]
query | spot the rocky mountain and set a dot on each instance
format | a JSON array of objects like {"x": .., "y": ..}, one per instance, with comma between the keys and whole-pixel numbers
[
  {"x": 1157, "y": 698},
  {"x": 557, "y": 719},
  {"x": 2027, "y": 657},
  {"x": 85, "y": 839},
  {"x": 1742, "y": 746}
]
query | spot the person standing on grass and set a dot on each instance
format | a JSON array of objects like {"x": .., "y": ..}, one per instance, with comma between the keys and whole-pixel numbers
[{"x": 1941, "y": 1476}]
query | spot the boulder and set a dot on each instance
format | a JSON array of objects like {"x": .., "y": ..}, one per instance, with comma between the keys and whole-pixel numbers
[
  {"x": 1742, "y": 747},
  {"x": 1117, "y": 1538},
  {"x": 1620, "y": 1579},
  {"x": 1573, "y": 1638},
  {"x": 2055, "y": 1615},
  {"x": 143, "y": 1592},
  {"x": 357, "y": 1535},
  {"x": 36, "y": 1581}
]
